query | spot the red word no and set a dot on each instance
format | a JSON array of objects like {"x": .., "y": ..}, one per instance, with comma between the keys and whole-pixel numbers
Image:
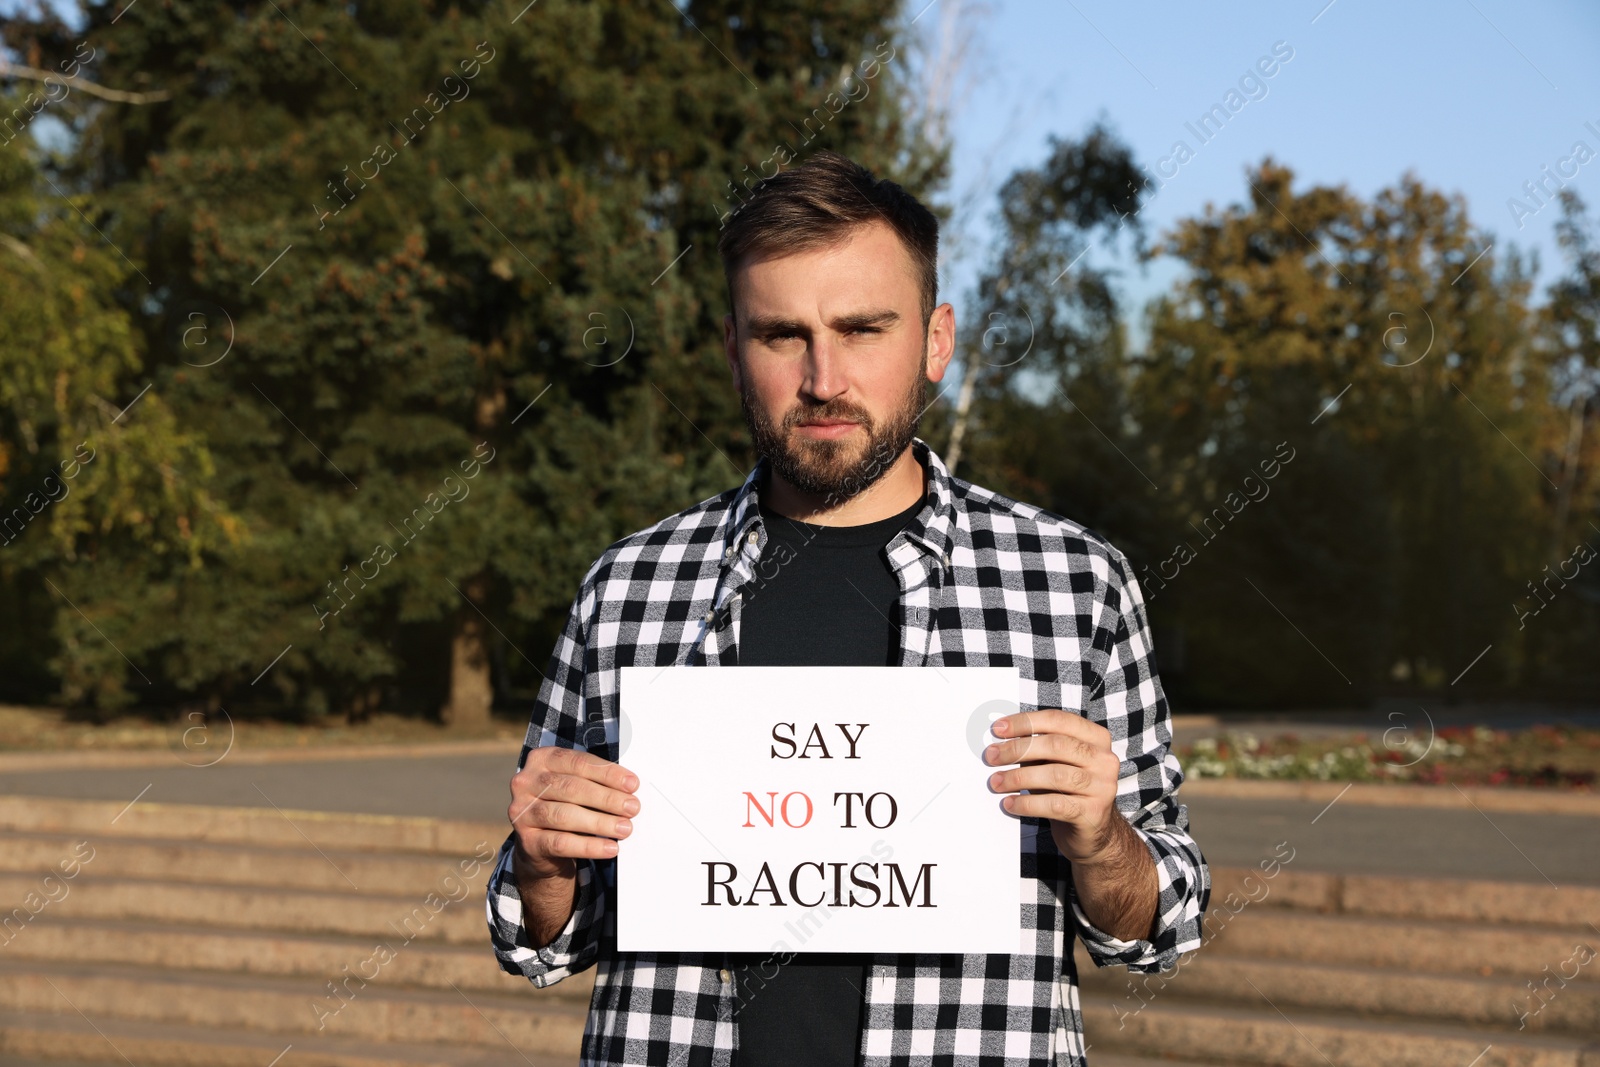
[{"x": 776, "y": 809}]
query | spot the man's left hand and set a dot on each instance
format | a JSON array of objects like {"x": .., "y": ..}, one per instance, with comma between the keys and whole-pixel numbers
[{"x": 1070, "y": 773}]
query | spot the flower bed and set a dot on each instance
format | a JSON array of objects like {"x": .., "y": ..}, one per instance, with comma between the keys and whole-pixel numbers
[{"x": 1559, "y": 757}]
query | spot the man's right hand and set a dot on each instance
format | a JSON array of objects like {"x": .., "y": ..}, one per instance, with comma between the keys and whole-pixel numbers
[{"x": 566, "y": 805}]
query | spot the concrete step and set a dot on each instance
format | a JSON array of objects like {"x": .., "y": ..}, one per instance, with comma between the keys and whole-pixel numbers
[
  {"x": 1433, "y": 899},
  {"x": 294, "y": 1008},
  {"x": 257, "y": 865},
  {"x": 1098, "y": 1059},
  {"x": 96, "y": 820},
  {"x": 1441, "y": 947},
  {"x": 1294, "y": 1037},
  {"x": 38, "y": 1039},
  {"x": 431, "y": 917},
  {"x": 1455, "y": 999},
  {"x": 417, "y": 965}
]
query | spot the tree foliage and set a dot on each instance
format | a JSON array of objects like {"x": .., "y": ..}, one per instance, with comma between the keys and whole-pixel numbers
[
  {"x": 1336, "y": 464},
  {"x": 360, "y": 251},
  {"x": 363, "y": 329}
]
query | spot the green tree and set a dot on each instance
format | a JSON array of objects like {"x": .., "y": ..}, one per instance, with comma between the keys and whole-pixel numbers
[
  {"x": 1044, "y": 347},
  {"x": 101, "y": 489},
  {"x": 1394, "y": 541},
  {"x": 1332, "y": 464},
  {"x": 436, "y": 235},
  {"x": 1559, "y": 638}
]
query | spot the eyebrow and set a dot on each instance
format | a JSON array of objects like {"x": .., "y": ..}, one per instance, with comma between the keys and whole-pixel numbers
[{"x": 768, "y": 324}]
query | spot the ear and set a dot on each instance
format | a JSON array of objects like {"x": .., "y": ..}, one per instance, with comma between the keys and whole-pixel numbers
[
  {"x": 941, "y": 341},
  {"x": 730, "y": 348}
]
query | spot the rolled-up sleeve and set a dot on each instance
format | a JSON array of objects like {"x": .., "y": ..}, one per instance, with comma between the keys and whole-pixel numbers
[
  {"x": 1132, "y": 706},
  {"x": 573, "y": 949},
  {"x": 558, "y": 719}
]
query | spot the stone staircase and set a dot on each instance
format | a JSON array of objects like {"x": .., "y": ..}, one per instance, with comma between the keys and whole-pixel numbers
[
  {"x": 1308, "y": 969},
  {"x": 210, "y": 936},
  {"x": 215, "y": 937}
]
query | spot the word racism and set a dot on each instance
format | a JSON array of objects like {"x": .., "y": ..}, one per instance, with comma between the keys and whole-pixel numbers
[
  {"x": 1205, "y": 128},
  {"x": 795, "y": 811},
  {"x": 456, "y": 889},
  {"x": 1233, "y": 504},
  {"x": 1582, "y": 553},
  {"x": 34, "y": 103},
  {"x": 55, "y": 891},
  {"x": 454, "y": 490},
  {"x": 383, "y": 155},
  {"x": 1551, "y": 184},
  {"x": 54, "y": 489},
  {"x": 784, "y": 154}
]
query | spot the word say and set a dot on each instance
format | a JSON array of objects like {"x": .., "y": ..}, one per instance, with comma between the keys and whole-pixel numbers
[{"x": 783, "y": 733}]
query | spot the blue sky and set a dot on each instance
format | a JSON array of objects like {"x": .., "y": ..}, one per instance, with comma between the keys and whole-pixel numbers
[{"x": 1473, "y": 96}]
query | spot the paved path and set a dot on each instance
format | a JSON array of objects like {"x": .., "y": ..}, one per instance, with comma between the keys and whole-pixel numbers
[
  {"x": 451, "y": 787},
  {"x": 1421, "y": 842},
  {"x": 1349, "y": 838}
]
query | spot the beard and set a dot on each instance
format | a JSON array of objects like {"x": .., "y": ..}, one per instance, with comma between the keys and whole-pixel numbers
[{"x": 836, "y": 469}]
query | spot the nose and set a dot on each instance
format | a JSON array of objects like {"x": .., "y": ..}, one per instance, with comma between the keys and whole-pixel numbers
[{"x": 823, "y": 379}]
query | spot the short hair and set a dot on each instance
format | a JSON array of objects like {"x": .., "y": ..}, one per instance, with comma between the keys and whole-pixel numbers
[{"x": 818, "y": 203}]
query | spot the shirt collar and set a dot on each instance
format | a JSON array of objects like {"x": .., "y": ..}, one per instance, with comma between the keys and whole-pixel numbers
[{"x": 931, "y": 530}]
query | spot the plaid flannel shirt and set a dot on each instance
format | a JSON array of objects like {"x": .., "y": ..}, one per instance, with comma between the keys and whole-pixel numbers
[{"x": 984, "y": 581}]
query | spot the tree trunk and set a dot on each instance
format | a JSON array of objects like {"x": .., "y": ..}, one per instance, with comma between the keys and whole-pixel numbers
[
  {"x": 471, "y": 681},
  {"x": 1569, "y": 466},
  {"x": 471, "y": 688},
  {"x": 958, "y": 431}
]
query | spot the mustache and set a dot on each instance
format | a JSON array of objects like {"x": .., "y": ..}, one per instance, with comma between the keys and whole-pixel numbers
[{"x": 829, "y": 412}]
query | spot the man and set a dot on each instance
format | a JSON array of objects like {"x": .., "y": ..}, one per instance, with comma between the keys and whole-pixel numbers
[{"x": 851, "y": 543}]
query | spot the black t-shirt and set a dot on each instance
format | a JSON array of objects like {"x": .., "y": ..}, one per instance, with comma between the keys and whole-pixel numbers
[{"x": 822, "y": 596}]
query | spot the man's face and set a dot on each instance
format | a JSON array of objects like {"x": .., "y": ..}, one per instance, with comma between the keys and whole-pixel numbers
[{"x": 830, "y": 356}]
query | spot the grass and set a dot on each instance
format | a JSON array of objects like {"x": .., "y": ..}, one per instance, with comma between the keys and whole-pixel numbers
[
  {"x": 24, "y": 729},
  {"x": 1559, "y": 757}
]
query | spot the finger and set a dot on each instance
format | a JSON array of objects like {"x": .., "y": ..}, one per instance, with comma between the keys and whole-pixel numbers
[
  {"x": 571, "y": 818},
  {"x": 586, "y": 764},
  {"x": 1062, "y": 807},
  {"x": 569, "y": 790},
  {"x": 1054, "y": 748},
  {"x": 576, "y": 846},
  {"x": 1053, "y": 721},
  {"x": 1044, "y": 777}
]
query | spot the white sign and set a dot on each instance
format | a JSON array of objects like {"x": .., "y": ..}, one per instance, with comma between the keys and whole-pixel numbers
[{"x": 816, "y": 809}]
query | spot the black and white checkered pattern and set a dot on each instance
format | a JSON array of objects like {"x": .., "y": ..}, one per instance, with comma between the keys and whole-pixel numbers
[{"x": 985, "y": 581}]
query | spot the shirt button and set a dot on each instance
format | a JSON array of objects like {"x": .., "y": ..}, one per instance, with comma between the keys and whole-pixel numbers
[
  {"x": 752, "y": 538},
  {"x": 725, "y": 974}
]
